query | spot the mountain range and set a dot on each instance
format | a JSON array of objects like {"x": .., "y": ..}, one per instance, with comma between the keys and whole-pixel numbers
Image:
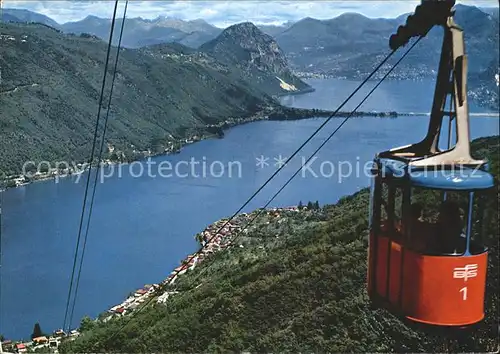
[
  {"x": 341, "y": 46},
  {"x": 51, "y": 83},
  {"x": 344, "y": 46},
  {"x": 140, "y": 32},
  {"x": 348, "y": 45}
]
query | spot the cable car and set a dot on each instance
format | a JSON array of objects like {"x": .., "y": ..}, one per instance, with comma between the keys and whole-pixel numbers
[{"x": 431, "y": 272}]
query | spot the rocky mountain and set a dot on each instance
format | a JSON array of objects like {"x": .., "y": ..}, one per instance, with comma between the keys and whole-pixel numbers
[
  {"x": 258, "y": 56},
  {"x": 51, "y": 84}
]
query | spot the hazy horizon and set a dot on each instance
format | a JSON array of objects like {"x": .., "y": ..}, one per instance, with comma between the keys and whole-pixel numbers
[{"x": 225, "y": 13}]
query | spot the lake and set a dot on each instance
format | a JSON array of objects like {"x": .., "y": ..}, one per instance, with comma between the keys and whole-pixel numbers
[{"x": 144, "y": 223}]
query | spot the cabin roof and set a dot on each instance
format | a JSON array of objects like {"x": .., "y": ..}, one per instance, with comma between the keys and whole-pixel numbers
[{"x": 457, "y": 178}]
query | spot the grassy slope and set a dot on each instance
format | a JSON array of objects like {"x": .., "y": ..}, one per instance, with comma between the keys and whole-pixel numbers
[
  {"x": 50, "y": 86},
  {"x": 303, "y": 291}
]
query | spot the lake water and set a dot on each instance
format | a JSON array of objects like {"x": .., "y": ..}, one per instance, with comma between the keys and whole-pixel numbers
[{"x": 144, "y": 225}]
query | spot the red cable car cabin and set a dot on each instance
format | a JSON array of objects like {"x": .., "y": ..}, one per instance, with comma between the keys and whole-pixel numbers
[
  {"x": 431, "y": 272},
  {"x": 410, "y": 270}
]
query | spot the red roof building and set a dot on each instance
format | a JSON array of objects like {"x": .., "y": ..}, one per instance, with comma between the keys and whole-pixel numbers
[{"x": 21, "y": 346}]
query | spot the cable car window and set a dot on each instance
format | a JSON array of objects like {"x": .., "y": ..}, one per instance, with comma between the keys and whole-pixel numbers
[
  {"x": 479, "y": 216},
  {"x": 387, "y": 209},
  {"x": 422, "y": 217},
  {"x": 438, "y": 222},
  {"x": 398, "y": 205},
  {"x": 375, "y": 196},
  {"x": 429, "y": 201},
  {"x": 398, "y": 215},
  {"x": 391, "y": 201},
  {"x": 384, "y": 203},
  {"x": 371, "y": 214},
  {"x": 450, "y": 236}
]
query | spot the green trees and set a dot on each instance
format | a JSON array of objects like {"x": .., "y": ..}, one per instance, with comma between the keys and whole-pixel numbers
[
  {"x": 56, "y": 124},
  {"x": 87, "y": 324},
  {"x": 199, "y": 238}
]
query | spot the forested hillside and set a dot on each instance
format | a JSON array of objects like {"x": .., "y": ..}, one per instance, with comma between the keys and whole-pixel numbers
[
  {"x": 50, "y": 86},
  {"x": 298, "y": 284}
]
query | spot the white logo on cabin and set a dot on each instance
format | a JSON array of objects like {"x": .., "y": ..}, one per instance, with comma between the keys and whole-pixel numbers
[{"x": 469, "y": 271}]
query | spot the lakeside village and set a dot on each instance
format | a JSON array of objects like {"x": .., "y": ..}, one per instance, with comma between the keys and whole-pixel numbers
[
  {"x": 171, "y": 145},
  {"x": 116, "y": 156},
  {"x": 212, "y": 238}
]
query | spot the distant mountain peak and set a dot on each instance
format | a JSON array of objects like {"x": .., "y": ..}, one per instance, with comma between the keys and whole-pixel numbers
[
  {"x": 308, "y": 20},
  {"x": 257, "y": 54},
  {"x": 199, "y": 21},
  {"x": 469, "y": 9},
  {"x": 92, "y": 17},
  {"x": 245, "y": 35},
  {"x": 464, "y": 7},
  {"x": 244, "y": 32},
  {"x": 352, "y": 15},
  {"x": 242, "y": 26}
]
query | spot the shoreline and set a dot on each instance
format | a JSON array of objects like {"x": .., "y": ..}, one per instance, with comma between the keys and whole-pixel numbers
[
  {"x": 213, "y": 131},
  {"x": 216, "y": 131},
  {"x": 309, "y": 89},
  {"x": 210, "y": 242}
]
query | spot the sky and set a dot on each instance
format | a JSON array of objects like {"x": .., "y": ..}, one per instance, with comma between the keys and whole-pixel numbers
[{"x": 224, "y": 13}]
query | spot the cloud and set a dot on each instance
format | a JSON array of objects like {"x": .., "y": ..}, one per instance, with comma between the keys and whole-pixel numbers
[{"x": 224, "y": 13}]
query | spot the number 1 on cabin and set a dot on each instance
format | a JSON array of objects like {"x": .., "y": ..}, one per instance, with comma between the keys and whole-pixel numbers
[
  {"x": 464, "y": 290},
  {"x": 469, "y": 271}
]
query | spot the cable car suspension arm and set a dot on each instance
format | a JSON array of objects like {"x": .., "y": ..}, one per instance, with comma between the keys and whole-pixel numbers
[{"x": 451, "y": 83}]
